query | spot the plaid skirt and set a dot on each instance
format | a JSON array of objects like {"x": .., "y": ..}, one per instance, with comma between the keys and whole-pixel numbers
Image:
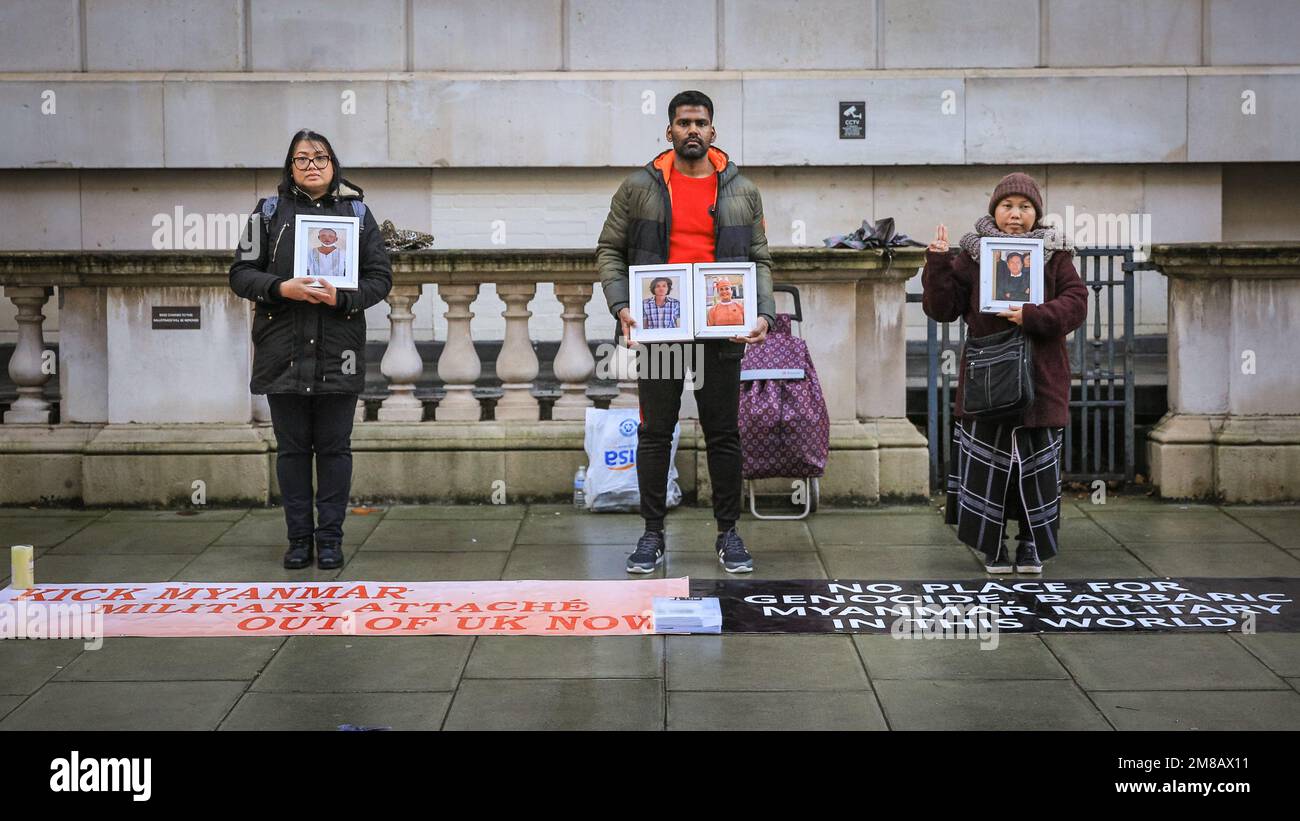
[{"x": 979, "y": 480}]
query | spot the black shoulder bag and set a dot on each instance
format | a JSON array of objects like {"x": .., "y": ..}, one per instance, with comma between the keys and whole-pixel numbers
[{"x": 999, "y": 374}]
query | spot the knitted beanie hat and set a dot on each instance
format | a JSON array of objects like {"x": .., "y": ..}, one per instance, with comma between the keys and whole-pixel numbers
[{"x": 1021, "y": 184}]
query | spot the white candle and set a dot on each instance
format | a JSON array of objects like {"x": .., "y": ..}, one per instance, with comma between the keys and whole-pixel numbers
[{"x": 22, "y": 566}]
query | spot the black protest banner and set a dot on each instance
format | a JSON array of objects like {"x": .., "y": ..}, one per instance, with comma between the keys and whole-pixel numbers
[{"x": 1014, "y": 605}]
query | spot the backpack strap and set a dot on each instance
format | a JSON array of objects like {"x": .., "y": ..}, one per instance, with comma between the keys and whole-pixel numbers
[{"x": 270, "y": 204}]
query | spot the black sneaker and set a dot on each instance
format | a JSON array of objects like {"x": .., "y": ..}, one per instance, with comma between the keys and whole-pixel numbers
[
  {"x": 732, "y": 554},
  {"x": 1027, "y": 560},
  {"x": 998, "y": 564},
  {"x": 329, "y": 555},
  {"x": 649, "y": 553},
  {"x": 298, "y": 555}
]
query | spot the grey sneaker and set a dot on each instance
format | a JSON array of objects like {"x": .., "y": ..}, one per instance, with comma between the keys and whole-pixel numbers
[
  {"x": 649, "y": 553},
  {"x": 998, "y": 564},
  {"x": 1027, "y": 560},
  {"x": 732, "y": 554}
]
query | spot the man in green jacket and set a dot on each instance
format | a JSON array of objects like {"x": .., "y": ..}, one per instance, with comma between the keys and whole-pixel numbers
[{"x": 690, "y": 204}]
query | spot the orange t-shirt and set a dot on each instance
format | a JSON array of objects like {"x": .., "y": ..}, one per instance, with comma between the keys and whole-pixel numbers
[
  {"x": 690, "y": 238},
  {"x": 727, "y": 313}
]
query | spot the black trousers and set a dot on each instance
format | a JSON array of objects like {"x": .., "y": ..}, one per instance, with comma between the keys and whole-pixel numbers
[
  {"x": 717, "y": 393},
  {"x": 321, "y": 426}
]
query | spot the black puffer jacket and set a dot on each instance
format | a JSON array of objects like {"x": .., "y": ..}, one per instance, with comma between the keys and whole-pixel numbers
[{"x": 301, "y": 347}]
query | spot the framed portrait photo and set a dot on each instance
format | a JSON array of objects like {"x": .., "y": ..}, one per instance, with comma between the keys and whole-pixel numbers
[
  {"x": 1011, "y": 273},
  {"x": 726, "y": 299},
  {"x": 326, "y": 249},
  {"x": 661, "y": 302}
]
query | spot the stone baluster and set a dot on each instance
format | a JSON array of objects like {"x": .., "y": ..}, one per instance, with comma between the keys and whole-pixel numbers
[
  {"x": 574, "y": 363},
  {"x": 458, "y": 366},
  {"x": 625, "y": 368},
  {"x": 27, "y": 365},
  {"x": 517, "y": 363},
  {"x": 401, "y": 364}
]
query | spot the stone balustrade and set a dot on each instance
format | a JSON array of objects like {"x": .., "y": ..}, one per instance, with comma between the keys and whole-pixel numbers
[
  {"x": 1232, "y": 431},
  {"x": 161, "y": 416}
]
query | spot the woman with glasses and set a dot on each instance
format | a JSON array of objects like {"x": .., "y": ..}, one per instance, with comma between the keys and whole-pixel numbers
[{"x": 309, "y": 343}]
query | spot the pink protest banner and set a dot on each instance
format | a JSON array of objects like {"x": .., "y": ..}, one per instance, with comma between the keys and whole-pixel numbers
[{"x": 509, "y": 608}]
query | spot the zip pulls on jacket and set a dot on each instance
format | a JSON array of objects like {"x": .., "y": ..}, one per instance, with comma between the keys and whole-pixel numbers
[{"x": 667, "y": 191}]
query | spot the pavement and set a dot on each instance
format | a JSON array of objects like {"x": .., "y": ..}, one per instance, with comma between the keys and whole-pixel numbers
[{"x": 1098, "y": 681}]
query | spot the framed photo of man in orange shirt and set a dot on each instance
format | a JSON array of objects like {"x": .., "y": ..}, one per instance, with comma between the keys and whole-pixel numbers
[{"x": 726, "y": 304}]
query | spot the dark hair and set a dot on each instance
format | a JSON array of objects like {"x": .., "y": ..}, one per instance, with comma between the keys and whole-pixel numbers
[
  {"x": 658, "y": 280},
  {"x": 1017, "y": 255},
  {"x": 286, "y": 178},
  {"x": 689, "y": 98}
]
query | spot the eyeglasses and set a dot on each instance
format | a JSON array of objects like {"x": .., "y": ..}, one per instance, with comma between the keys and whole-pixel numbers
[{"x": 321, "y": 161}]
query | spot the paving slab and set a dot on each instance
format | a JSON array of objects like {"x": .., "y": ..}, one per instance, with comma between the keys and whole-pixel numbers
[
  {"x": 42, "y": 530},
  {"x": 764, "y": 662},
  {"x": 19, "y": 511},
  {"x": 349, "y": 664},
  {"x": 123, "y": 705},
  {"x": 1013, "y": 657},
  {"x": 558, "y": 657},
  {"x": 987, "y": 705},
  {"x": 569, "y": 704},
  {"x": 700, "y": 535},
  {"x": 1182, "y": 526},
  {"x": 882, "y": 529},
  {"x": 217, "y": 658},
  {"x": 901, "y": 562},
  {"x": 1082, "y": 533},
  {"x": 267, "y": 527},
  {"x": 1161, "y": 661},
  {"x": 9, "y": 703},
  {"x": 457, "y": 512},
  {"x": 1279, "y": 526},
  {"x": 1094, "y": 564},
  {"x": 443, "y": 535},
  {"x": 186, "y": 515},
  {"x": 578, "y": 527},
  {"x": 774, "y": 711},
  {"x": 802, "y": 565},
  {"x": 254, "y": 564},
  {"x": 1280, "y": 652},
  {"x": 572, "y": 561},
  {"x": 142, "y": 537},
  {"x": 1221, "y": 560},
  {"x": 1202, "y": 710},
  {"x": 85, "y": 569},
  {"x": 409, "y": 566},
  {"x": 26, "y": 664},
  {"x": 327, "y": 711}
]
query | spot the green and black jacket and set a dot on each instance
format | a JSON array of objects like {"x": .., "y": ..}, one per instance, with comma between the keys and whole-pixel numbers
[{"x": 640, "y": 217}]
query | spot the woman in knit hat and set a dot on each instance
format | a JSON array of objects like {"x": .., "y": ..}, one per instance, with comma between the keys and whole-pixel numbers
[{"x": 1010, "y": 468}]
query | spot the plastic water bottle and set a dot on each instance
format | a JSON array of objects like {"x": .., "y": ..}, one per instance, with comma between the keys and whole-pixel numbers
[{"x": 580, "y": 487}]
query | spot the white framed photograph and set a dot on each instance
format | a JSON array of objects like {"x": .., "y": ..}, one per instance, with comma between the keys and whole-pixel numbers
[
  {"x": 1011, "y": 273},
  {"x": 726, "y": 299},
  {"x": 661, "y": 302},
  {"x": 326, "y": 249}
]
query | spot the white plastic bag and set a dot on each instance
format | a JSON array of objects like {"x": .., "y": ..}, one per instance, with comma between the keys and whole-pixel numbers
[{"x": 611, "y": 462}]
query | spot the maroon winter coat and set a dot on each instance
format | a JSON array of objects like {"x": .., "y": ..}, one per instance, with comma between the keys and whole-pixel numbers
[{"x": 951, "y": 283}]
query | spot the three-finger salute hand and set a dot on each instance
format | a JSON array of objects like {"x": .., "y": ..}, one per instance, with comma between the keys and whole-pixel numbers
[{"x": 940, "y": 242}]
